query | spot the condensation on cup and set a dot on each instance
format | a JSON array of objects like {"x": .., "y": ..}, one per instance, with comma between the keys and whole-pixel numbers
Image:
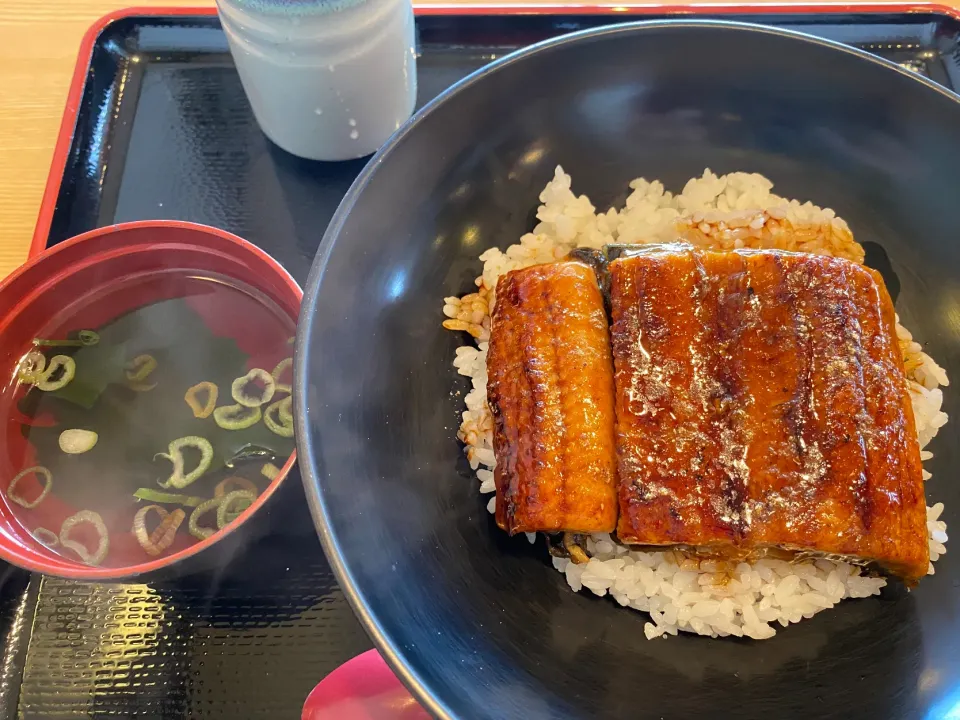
[{"x": 327, "y": 79}]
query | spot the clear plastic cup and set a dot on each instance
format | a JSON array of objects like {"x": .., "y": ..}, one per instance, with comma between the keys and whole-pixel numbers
[{"x": 327, "y": 79}]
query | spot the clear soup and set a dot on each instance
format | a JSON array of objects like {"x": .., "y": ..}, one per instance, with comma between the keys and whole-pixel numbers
[{"x": 148, "y": 418}]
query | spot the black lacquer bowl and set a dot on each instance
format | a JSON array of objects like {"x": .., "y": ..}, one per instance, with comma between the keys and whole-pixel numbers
[{"x": 480, "y": 625}]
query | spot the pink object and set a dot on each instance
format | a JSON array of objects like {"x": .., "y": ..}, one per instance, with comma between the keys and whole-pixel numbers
[{"x": 363, "y": 688}]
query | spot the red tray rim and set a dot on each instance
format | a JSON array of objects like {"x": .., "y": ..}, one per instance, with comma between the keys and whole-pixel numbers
[{"x": 58, "y": 164}]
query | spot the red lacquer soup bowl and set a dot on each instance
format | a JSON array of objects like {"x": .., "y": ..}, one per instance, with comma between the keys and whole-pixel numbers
[{"x": 149, "y": 315}]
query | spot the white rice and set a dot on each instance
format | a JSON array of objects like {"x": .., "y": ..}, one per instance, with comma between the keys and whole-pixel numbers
[{"x": 681, "y": 592}]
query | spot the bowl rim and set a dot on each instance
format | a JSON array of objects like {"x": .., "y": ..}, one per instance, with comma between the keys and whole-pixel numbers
[
  {"x": 76, "y": 570},
  {"x": 391, "y": 651}
]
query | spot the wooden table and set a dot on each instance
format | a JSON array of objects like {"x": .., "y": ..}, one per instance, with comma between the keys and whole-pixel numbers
[{"x": 39, "y": 40}]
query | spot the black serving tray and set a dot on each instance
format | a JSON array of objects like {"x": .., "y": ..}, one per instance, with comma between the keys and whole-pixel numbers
[{"x": 157, "y": 126}]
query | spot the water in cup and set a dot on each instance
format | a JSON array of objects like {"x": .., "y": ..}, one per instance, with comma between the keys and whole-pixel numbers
[{"x": 327, "y": 79}]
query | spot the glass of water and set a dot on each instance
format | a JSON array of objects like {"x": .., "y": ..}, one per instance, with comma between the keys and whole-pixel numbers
[{"x": 327, "y": 79}]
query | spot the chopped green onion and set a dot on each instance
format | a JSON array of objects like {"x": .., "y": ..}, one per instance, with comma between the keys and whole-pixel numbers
[
  {"x": 281, "y": 367},
  {"x": 84, "y": 337},
  {"x": 202, "y": 533},
  {"x": 30, "y": 368},
  {"x": 63, "y": 363},
  {"x": 278, "y": 371},
  {"x": 47, "y": 537},
  {"x": 163, "y": 536},
  {"x": 226, "y": 486},
  {"x": 279, "y": 426},
  {"x": 291, "y": 340},
  {"x": 37, "y": 470},
  {"x": 156, "y": 496},
  {"x": 75, "y": 442},
  {"x": 240, "y": 385},
  {"x": 205, "y": 410},
  {"x": 140, "y": 368},
  {"x": 270, "y": 471},
  {"x": 285, "y": 411},
  {"x": 232, "y": 506},
  {"x": 177, "y": 478},
  {"x": 237, "y": 417},
  {"x": 103, "y": 546},
  {"x": 248, "y": 452},
  {"x": 141, "y": 387}
]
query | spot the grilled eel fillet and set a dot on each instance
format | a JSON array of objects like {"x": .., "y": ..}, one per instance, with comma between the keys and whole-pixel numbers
[
  {"x": 550, "y": 389},
  {"x": 762, "y": 409}
]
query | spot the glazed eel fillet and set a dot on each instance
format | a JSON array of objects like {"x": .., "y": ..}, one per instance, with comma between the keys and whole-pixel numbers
[
  {"x": 762, "y": 409},
  {"x": 550, "y": 389},
  {"x": 760, "y": 404}
]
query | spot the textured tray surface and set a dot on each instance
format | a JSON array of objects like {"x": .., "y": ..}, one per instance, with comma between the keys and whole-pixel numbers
[
  {"x": 250, "y": 642},
  {"x": 164, "y": 131}
]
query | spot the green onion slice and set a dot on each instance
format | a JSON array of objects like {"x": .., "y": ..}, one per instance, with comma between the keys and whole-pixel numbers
[
  {"x": 232, "y": 505},
  {"x": 280, "y": 409},
  {"x": 46, "y": 537},
  {"x": 237, "y": 417},
  {"x": 241, "y": 385},
  {"x": 103, "y": 546},
  {"x": 202, "y": 533},
  {"x": 174, "y": 454},
  {"x": 76, "y": 441},
  {"x": 157, "y": 496},
  {"x": 234, "y": 482},
  {"x": 40, "y": 472},
  {"x": 163, "y": 535},
  {"x": 270, "y": 471},
  {"x": 278, "y": 371},
  {"x": 192, "y": 399},
  {"x": 60, "y": 366},
  {"x": 84, "y": 338},
  {"x": 286, "y": 411},
  {"x": 140, "y": 368},
  {"x": 30, "y": 368}
]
